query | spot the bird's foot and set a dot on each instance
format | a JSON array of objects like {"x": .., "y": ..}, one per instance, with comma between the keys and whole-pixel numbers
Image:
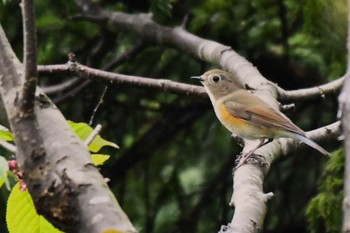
[{"x": 249, "y": 158}]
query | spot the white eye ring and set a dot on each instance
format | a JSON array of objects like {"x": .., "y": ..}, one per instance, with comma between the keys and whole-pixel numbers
[{"x": 216, "y": 78}]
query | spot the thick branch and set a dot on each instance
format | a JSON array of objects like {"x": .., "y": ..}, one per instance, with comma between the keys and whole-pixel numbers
[
  {"x": 178, "y": 38},
  {"x": 344, "y": 113},
  {"x": 344, "y": 102},
  {"x": 249, "y": 199},
  {"x": 66, "y": 188}
]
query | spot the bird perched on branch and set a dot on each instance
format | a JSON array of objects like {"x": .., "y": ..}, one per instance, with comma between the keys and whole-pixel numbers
[{"x": 246, "y": 115}]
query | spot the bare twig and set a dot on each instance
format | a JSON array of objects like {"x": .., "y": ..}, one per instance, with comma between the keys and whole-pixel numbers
[
  {"x": 54, "y": 89},
  {"x": 100, "y": 101},
  {"x": 8, "y": 146},
  {"x": 72, "y": 86},
  {"x": 311, "y": 93},
  {"x": 30, "y": 67},
  {"x": 159, "y": 84},
  {"x": 71, "y": 93},
  {"x": 93, "y": 135}
]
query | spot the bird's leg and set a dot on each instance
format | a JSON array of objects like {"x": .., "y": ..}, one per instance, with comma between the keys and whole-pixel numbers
[
  {"x": 247, "y": 155},
  {"x": 264, "y": 142}
]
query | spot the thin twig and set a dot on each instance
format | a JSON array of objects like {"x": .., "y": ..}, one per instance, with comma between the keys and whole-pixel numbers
[
  {"x": 54, "y": 89},
  {"x": 100, "y": 101},
  {"x": 8, "y": 146},
  {"x": 93, "y": 135},
  {"x": 159, "y": 84},
  {"x": 30, "y": 66},
  {"x": 73, "y": 84},
  {"x": 72, "y": 92}
]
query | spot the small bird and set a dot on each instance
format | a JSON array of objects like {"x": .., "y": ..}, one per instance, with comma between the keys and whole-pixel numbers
[{"x": 246, "y": 115}]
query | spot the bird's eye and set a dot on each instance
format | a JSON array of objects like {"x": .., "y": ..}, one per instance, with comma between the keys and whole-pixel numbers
[{"x": 216, "y": 78}]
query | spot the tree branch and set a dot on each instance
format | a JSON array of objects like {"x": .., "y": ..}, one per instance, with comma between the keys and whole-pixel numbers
[
  {"x": 344, "y": 105},
  {"x": 76, "y": 84},
  {"x": 158, "y": 84},
  {"x": 178, "y": 38},
  {"x": 30, "y": 67},
  {"x": 8, "y": 146},
  {"x": 248, "y": 197},
  {"x": 93, "y": 135},
  {"x": 66, "y": 188},
  {"x": 344, "y": 114},
  {"x": 250, "y": 211},
  {"x": 65, "y": 86},
  {"x": 201, "y": 48},
  {"x": 311, "y": 93}
]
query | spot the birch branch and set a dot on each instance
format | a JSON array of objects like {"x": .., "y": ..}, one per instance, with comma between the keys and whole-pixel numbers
[{"x": 57, "y": 169}]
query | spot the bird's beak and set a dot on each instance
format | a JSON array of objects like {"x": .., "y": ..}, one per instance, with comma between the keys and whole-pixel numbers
[{"x": 198, "y": 77}]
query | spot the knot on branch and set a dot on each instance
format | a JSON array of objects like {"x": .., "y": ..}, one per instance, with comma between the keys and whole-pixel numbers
[
  {"x": 72, "y": 62},
  {"x": 64, "y": 192}
]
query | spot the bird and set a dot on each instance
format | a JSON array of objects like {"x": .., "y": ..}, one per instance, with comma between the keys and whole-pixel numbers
[{"x": 246, "y": 115}]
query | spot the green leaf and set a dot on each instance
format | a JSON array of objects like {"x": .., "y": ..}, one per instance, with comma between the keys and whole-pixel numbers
[
  {"x": 4, "y": 168},
  {"x": 83, "y": 131},
  {"x": 5, "y": 134},
  {"x": 99, "y": 159},
  {"x": 21, "y": 216}
]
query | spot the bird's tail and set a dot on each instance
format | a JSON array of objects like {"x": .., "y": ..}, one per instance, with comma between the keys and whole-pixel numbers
[{"x": 309, "y": 142}]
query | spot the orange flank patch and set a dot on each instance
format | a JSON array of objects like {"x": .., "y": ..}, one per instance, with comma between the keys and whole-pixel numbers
[
  {"x": 230, "y": 119},
  {"x": 243, "y": 127}
]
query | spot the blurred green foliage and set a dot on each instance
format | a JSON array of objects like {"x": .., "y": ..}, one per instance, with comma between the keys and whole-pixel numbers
[
  {"x": 324, "y": 211},
  {"x": 173, "y": 171}
]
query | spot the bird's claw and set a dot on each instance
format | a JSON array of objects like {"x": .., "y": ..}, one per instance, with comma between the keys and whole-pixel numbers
[{"x": 250, "y": 158}]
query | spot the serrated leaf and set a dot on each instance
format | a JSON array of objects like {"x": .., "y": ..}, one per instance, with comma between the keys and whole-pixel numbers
[
  {"x": 99, "y": 159},
  {"x": 4, "y": 168},
  {"x": 83, "y": 131},
  {"x": 21, "y": 216}
]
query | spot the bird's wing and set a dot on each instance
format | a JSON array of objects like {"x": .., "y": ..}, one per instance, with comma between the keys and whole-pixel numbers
[{"x": 257, "y": 112}]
